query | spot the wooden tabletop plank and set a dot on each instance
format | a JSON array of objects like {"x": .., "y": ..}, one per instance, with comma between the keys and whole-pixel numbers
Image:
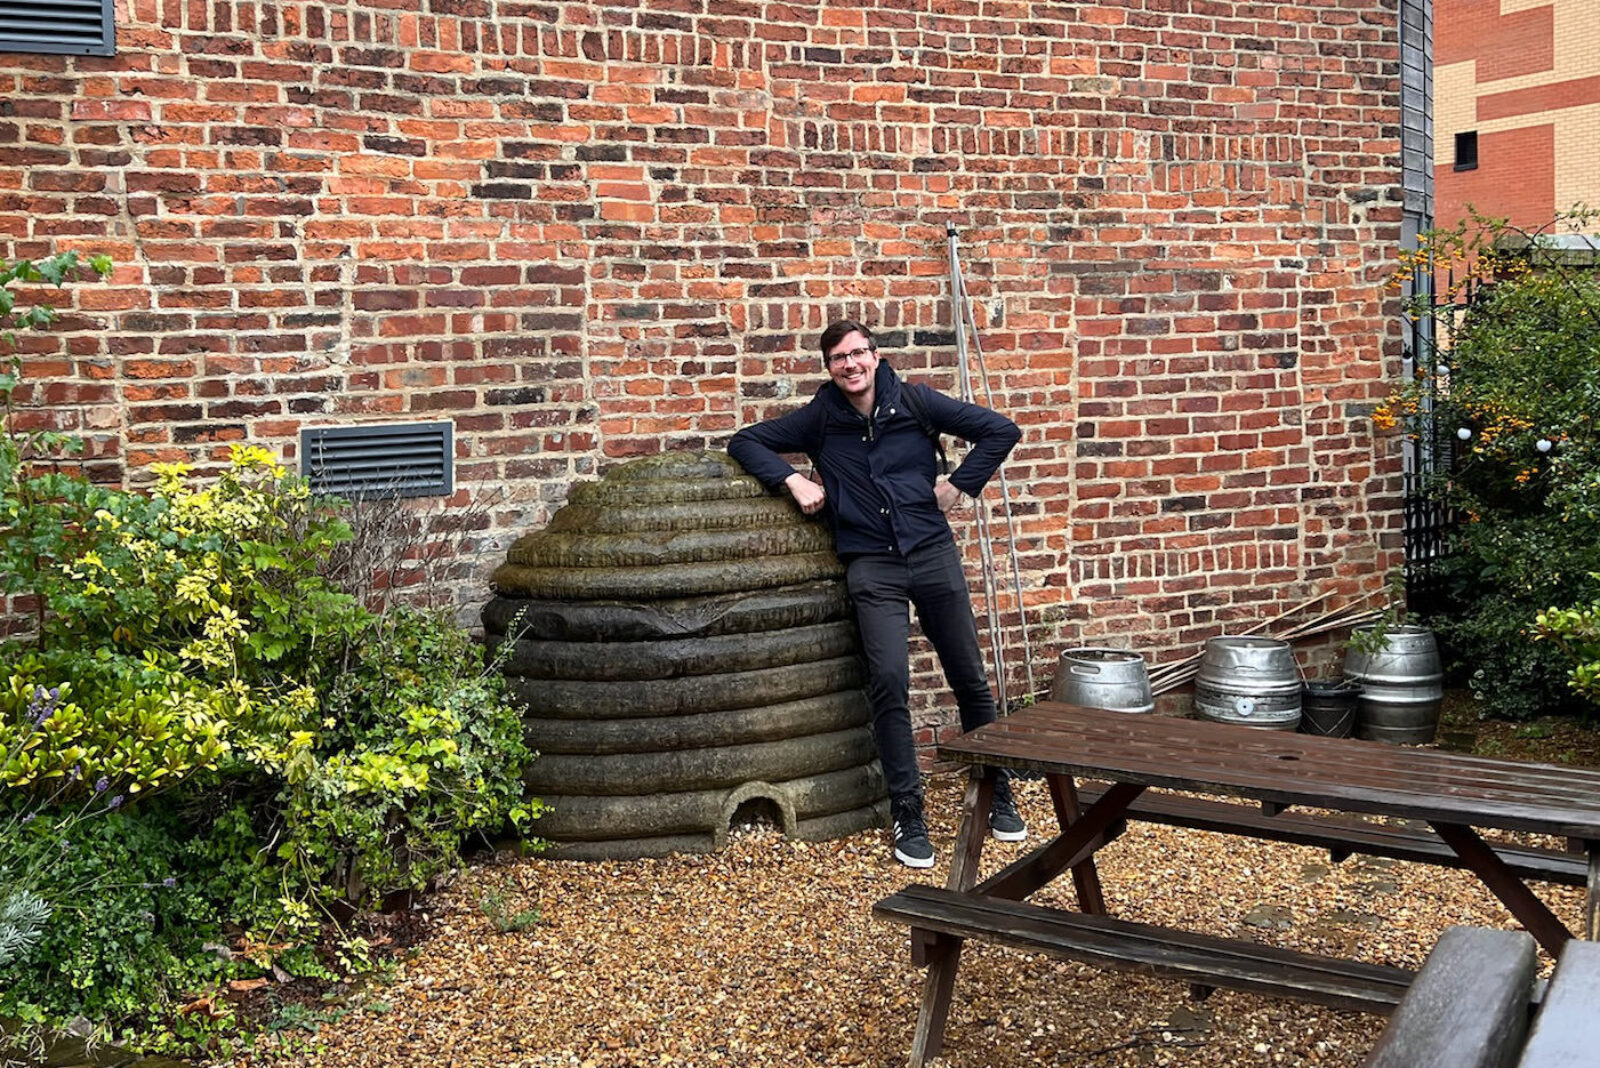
[{"x": 1288, "y": 768}]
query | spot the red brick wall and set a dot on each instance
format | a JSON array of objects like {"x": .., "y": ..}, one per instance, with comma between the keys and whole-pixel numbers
[
  {"x": 1527, "y": 82},
  {"x": 1505, "y": 45},
  {"x": 585, "y": 231},
  {"x": 1514, "y": 179}
]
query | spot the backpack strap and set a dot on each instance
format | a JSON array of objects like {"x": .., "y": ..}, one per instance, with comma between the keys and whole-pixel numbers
[{"x": 911, "y": 397}]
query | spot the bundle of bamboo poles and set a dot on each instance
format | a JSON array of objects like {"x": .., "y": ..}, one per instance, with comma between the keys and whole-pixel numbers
[{"x": 1172, "y": 675}]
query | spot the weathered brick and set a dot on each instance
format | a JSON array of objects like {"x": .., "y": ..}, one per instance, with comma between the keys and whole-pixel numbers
[{"x": 608, "y": 249}]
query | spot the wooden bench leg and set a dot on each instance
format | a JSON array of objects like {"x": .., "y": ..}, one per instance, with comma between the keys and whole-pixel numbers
[
  {"x": 1085, "y": 876},
  {"x": 942, "y": 953},
  {"x": 974, "y": 829},
  {"x": 944, "y": 956},
  {"x": 1591, "y": 902},
  {"x": 1533, "y": 914}
]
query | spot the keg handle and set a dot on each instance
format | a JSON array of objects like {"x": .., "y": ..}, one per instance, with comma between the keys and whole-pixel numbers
[{"x": 1083, "y": 669}]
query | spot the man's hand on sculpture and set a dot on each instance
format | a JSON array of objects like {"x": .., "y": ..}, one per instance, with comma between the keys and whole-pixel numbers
[
  {"x": 806, "y": 493},
  {"x": 947, "y": 496}
]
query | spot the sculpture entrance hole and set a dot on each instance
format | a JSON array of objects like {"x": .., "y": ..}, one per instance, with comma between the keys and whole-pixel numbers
[{"x": 758, "y": 813}]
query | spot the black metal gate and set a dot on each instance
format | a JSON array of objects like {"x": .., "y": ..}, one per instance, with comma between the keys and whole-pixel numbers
[
  {"x": 1432, "y": 449},
  {"x": 1426, "y": 524}
]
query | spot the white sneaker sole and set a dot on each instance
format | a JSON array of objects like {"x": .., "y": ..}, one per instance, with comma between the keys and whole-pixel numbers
[
  {"x": 1009, "y": 836},
  {"x": 913, "y": 862}
]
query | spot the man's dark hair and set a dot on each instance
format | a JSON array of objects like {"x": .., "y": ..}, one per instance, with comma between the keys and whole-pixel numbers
[{"x": 836, "y": 333}]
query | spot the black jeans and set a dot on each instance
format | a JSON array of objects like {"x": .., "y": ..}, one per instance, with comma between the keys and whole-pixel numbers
[{"x": 882, "y": 585}]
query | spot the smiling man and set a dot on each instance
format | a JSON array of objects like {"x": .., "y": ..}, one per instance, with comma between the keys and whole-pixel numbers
[{"x": 872, "y": 441}]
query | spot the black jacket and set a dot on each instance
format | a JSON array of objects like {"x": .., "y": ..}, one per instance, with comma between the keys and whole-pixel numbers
[{"x": 878, "y": 472}]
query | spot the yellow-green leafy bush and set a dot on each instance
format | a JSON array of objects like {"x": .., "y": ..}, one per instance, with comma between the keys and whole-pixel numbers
[{"x": 204, "y": 739}]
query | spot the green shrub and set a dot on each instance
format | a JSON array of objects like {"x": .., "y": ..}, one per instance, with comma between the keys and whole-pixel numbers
[
  {"x": 1514, "y": 385},
  {"x": 348, "y": 753},
  {"x": 1504, "y": 570},
  {"x": 68, "y": 720},
  {"x": 1575, "y": 633},
  {"x": 413, "y": 750},
  {"x": 206, "y": 741},
  {"x": 126, "y": 932}
]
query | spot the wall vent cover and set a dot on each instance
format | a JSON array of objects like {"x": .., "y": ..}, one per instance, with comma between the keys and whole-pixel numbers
[
  {"x": 74, "y": 27},
  {"x": 404, "y": 460}
]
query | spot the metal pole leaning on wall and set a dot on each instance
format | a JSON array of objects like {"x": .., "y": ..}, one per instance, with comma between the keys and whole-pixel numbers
[
  {"x": 963, "y": 320},
  {"x": 958, "y": 315},
  {"x": 1005, "y": 495}
]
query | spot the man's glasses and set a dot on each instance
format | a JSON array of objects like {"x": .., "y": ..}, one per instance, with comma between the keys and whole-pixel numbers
[{"x": 838, "y": 358}]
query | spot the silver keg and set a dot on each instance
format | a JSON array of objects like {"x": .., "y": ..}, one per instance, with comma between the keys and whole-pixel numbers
[
  {"x": 1113, "y": 679},
  {"x": 1402, "y": 686},
  {"x": 1250, "y": 681}
]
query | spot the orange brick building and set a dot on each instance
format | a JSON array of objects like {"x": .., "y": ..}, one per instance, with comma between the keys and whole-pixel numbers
[
  {"x": 580, "y": 231},
  {"x": 1516, "y": 108}
]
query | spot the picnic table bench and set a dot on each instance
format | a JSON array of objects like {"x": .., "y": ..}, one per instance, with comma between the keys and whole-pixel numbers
[
  {"x": 1341, "y": 836},
  {"x": 1469, "y": 1007},
  {"x": 1565, "y": 1034},
  {"x": 1452, "y": 794}
]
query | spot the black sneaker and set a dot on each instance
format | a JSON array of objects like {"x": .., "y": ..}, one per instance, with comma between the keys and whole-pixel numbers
[
  {"x": 1004, "y": 822},
  {"x": 911, "y": 845}
]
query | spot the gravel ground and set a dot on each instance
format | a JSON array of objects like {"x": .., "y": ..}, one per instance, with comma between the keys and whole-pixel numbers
[{"x": 767, "y": 954}]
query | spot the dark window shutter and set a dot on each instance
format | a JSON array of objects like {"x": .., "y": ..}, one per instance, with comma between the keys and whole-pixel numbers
[
  {"x": 409, "y": 460},
  {"x": 75, "y": 27}
]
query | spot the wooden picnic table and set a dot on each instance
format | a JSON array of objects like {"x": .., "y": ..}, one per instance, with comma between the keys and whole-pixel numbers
[{"x": 1454, "y": 794}]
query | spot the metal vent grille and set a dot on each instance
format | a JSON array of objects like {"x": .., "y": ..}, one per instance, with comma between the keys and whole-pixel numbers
[
  {"x": 75, "y": 27},
  {"x": 408, "y": 460}
]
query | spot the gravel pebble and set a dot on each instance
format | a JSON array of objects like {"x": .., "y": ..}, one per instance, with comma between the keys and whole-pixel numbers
[{"x": 767, "y": 954}]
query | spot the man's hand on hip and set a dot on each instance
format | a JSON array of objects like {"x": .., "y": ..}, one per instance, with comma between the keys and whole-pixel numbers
[
  {"x": 947, "y": 496},
  {"x": 806, "y": 493}
]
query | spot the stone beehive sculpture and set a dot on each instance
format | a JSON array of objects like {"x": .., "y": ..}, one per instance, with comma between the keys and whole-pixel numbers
[{"x": 685, "y": 649}]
